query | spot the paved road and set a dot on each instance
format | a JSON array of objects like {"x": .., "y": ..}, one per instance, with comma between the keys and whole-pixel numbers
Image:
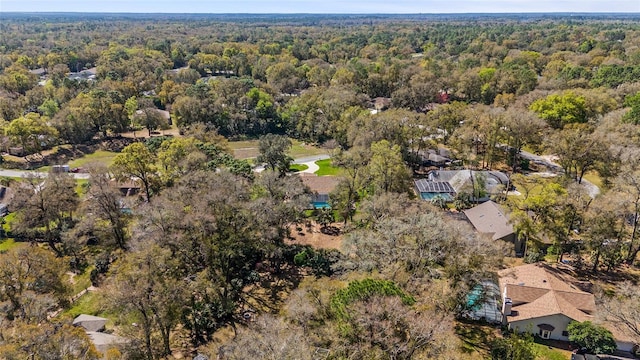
[
  {"x": 311, "y": 159},
  {"x": 592, "y": 189},
  {"x": 539, "y": 160},
  {"x": 27, "y": 173}
]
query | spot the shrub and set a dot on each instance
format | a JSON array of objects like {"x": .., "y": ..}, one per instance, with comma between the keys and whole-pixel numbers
[{"x": 595, "y": 338}]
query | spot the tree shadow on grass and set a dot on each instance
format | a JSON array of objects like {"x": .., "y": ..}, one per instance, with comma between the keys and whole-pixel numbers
[{"x": 475, "y": 336}]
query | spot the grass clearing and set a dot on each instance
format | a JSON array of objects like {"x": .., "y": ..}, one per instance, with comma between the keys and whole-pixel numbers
[
  {"x": 100, "y": 156},
  {"x": 81, "y": 281},
  {"x": 6, "y": 222},
  {"x": 327, "y": 169},
  {"x": 247, "y": 149},
  {"x": 475, "y": 338},
  {"x": 534, "y": 184},
  {"x": 300, "y": 149},
  {"x": 545, "y": 352},
  {"x": 90, "y": 304},
  {"x": 593, "y": 178},
  {"x": 298, "y": 167},
  {"x": 8, "y": 244},
  {"x": 81, "y": 186}
]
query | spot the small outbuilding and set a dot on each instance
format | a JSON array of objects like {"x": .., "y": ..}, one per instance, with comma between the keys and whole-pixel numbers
[
  {"x": 90, "y": 323},
  {"x": 103, "y": 341}
]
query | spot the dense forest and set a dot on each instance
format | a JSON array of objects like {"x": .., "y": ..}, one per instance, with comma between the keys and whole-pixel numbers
[{"x": 205, "y": 258}]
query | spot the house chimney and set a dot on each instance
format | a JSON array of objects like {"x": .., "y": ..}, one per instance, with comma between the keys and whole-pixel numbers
[{"x": 506, "y": 307}]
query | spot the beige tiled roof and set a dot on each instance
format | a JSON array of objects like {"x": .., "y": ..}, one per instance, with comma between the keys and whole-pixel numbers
[{"x": 538, "y": 290}]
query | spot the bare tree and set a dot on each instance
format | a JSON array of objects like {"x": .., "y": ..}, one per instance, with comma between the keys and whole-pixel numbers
[
  {"x": 385, "y": 328},
  {"x": 103, "y": 202},
  {"x": 623, "y": 309},
  {"x": 268, "y": 338},
  {"x": 45, "y": 207}
]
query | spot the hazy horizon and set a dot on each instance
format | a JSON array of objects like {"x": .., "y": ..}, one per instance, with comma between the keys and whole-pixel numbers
[{"x": 323, "y": 6}]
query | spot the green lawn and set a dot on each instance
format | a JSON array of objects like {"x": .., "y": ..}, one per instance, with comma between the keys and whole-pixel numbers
[
  {"x": 326, "y": 168},
  {"x": 300, "y": 149},
  {"x": 100, "y": 156},
  {"x": 89, "y": 304},
  {"x": 593, "y": 178},
  {"x": 94, "y": 303},
  {"x": 475, "y": 338},
  {"x": 544, "y": 352},
  {"x": 247, "y": 149},
  {"x": 81, "y": 186},
  {"x": 81, "y": 281},
  {"x": 8, "y": 244},
  {"x": 298, "y": 167}
]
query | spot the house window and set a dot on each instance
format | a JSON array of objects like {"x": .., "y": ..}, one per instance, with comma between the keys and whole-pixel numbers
[
  {"x": 545, "y": 334},
  {"x": 565, "y": 333}
]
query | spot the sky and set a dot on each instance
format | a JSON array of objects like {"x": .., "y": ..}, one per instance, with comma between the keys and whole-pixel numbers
[{"x": 321, "y": 6}]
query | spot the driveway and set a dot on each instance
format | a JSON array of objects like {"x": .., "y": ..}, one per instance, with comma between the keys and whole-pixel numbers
[
  {"x": 555, "y": 169},
  {"x": 309, "y": 161}
]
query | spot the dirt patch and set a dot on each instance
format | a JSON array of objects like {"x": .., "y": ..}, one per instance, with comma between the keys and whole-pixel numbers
[
  {"x": 312, "y": 236},
  {"x": 144, "y": 133},
  {"x": 246, "y": 153}
]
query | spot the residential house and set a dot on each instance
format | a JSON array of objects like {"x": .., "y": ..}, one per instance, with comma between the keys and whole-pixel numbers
[
  {"x": 489, "y": 218},
  {"x": 481, "y": 184},
  {"x": 430, "y": 190},
  {"x": 543, "y": 300},
  {"x": 39, "y": 72},
  {"x": 433, "y": 158},
  {"x": 127, "y": 187},
  {"x": 84, "y": 75},
  {"x": 320, "y": 186}
]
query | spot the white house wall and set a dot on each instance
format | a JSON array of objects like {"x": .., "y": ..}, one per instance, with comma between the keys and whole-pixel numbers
[
  {"x": 624, "y": 346},
  {"x": 558, "y": 321}
]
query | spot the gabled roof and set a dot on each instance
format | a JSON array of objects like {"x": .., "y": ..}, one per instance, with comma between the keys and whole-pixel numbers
[
  {"x": 488, "y": 218},
  {"x": 90, "y": 322},
  {"x": 538, "y": 290},
  {"x": 101, "y": 339}
]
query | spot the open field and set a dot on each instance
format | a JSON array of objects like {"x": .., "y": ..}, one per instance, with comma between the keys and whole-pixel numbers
[
  {"x": 327, "y": 169},
  {"x": 248, "y": 149},
  {"x": 100, "y": 156}
]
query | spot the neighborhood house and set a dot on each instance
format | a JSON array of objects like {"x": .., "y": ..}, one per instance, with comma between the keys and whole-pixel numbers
[
  {"x": 448, "y": 183},
  {"x": 540, "y": 299},
  {"x": 543, "y": 300},
  {"x": 320, "y": 186},
  {"x": 488, "y": 218}
]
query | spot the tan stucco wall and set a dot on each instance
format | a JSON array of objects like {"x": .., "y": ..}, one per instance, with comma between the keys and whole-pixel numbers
[{"x": 558, "y": 321}]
